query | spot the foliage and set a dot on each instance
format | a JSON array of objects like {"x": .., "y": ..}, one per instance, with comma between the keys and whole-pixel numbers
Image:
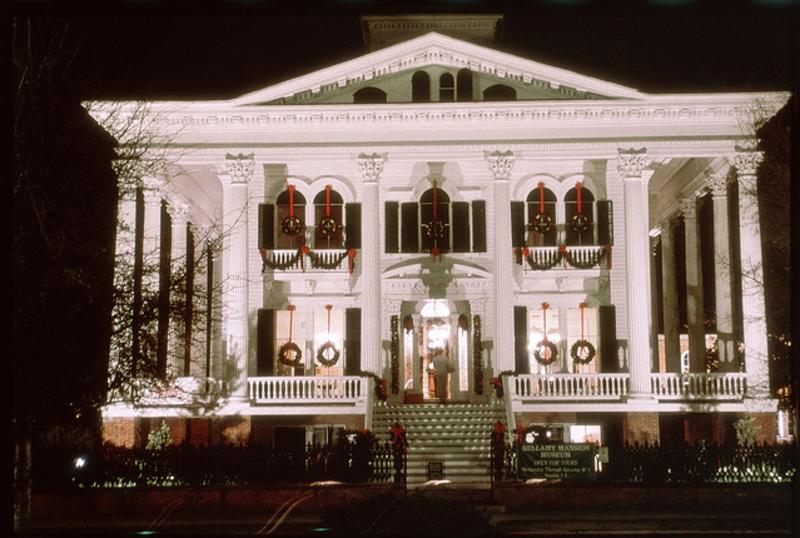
[
  {"x": 160, "y": 438},
  {"x": 746, "y": 431}
]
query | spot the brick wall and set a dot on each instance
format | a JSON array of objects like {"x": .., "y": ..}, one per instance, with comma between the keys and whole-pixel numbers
[
  {"x": 119, "y": 431},
  {"x": 640, "y": 428},
  {"x": 767, "y": 427},
  {"x": 234, "y": 430}
]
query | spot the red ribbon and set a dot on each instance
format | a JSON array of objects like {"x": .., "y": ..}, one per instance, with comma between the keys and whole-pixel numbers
[
  {"x": 582, "y": 307},
  {"x": 578, "y": 187},
  {"x": 525, "y": 251},
  {"x": 327, "y": 201},
  {"x": 291, "y": 200},
  {"x": 541, "y": 197},
  {"x": 291, "y": 308},
  {"x": 263, "y": 253},
  {"x": 545, "y": 306},
  {"x": 329, "y": 307},
  {"x": 434, "y": 200},
  {"x": 351, "y": 256},
  {"x": 562, "y": 249},
  {"x": 304, "y": 250}
]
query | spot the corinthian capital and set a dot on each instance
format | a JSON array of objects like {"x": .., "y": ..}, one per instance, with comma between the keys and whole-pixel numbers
[
  {"x": 631, "y": 162},
  {"x": 178, "y": 211},
  {"x": 239, "y": 168},
  {"x": 718, "y": 183},
  {"x": 500, "y": 163},
  {"x": 371, "y": 166},
  {"x": 688, "y": 207},
  {"x": 746, "y": 160}
]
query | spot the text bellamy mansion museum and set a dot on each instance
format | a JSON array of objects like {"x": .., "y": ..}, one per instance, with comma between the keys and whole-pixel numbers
[{"x": 436, "y": 196}]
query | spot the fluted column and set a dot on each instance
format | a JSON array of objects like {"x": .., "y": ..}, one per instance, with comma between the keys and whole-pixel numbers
[
  {"x": 669, "y": 292},
  {"x": 500, "y": 165},
  {"x": 179, "y": 213},
  {"x": 238, "y": 172},
  {"x": 151, "y": 232},
  {"x": 695, "y": 313},
  {"x": 637, "y": 259},
  {"x": 723, "y": 295},
  {"x": 746, "y": 160},
  {"x": 371, "y": 167}
]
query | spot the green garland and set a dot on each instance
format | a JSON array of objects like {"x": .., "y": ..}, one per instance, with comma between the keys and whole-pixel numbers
[
  {"x": 477, "y": 352},
  {"x": 594, "y": 260},
  {"x": 545, "y": 265},
  {"x": 395, "y": 351},
  {"x": 318, "y": 263}
]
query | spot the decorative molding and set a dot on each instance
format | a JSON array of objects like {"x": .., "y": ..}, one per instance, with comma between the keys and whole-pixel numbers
[
  {"x": 178, "y": 211},
  {"x": 688, "y": 207},
  {"x": 746, "y": 160},
  {"x": 371, "y": 166},
  {"x": 240, "y": 167},
  {"x": 718, "y": 184},
  {"x": 631, "y": 162},
  {"x": 500, "y": 163}
]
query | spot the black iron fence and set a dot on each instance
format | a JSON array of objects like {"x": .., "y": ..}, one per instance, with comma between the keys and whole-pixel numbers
[
  {"x": 654, "y": 463},
  {"x": 187, "y": 465}
]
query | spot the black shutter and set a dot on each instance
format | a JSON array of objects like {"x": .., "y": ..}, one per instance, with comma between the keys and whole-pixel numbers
[
  {"x": 409, "y": 229},
  {"x": 460, "y": 226},
  {"x": 478, "y": 226},
  {"x": 353, "y": 230},
  {"x": 352, "y": 342},
  {"x": 608, "y": 339},
  {"x": 517, "y": 224},
  {"x": 391, "y": 229},
  {"x": 605, "y": 222},
  {"x": 521, "y": 362},
  {"x": 265, "y": 340},
  {"x": 266, "y": 226}
]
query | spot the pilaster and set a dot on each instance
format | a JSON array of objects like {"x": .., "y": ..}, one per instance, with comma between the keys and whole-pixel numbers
[{"x": 500, "y": 165}]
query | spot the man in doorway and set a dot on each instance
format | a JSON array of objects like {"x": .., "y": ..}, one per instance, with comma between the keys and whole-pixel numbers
[{"x": 441, "y": 366}]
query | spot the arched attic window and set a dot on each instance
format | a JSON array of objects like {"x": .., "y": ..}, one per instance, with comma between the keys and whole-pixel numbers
[
  {"x": 434, "y": 225},
  {"x": 499, "y": 92},
  {"x": 447, "y": 89},
  {"x": 541, "y": 228},
  {"x": 369, "y": 95},
  {"x": 420, "y": 87},
  {"x": 285, "y": 210},
  {"x": 328, "y": 219},
  {"x": 464, "y": 85},
  {"x": 579, "y": 217}
]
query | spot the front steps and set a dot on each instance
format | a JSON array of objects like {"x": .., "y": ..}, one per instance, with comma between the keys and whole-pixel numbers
[{"x": 457, "y": 434}]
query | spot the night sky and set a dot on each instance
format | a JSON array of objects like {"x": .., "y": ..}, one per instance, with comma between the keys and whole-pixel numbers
[{"x": 220, "y": 56}]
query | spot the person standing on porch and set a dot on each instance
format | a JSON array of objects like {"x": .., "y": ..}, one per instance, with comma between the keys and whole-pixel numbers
[{"x": 441, "y": 365}]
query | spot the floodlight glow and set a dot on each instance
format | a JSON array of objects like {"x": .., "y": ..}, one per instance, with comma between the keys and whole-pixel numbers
[
  {"x": 80, "y": 461},
  {"x": 436, "y": 308}
]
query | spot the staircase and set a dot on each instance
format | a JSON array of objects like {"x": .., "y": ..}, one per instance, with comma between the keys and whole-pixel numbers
[{"x": 456, "y": 434}]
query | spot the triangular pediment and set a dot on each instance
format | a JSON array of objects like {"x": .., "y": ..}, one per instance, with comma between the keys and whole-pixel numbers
[{"x": 395, "y": 65}]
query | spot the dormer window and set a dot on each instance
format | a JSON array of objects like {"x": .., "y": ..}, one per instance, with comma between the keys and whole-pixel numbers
[
  {"x": 447, "y": 89},
  {"x": 420, "y": 87}
]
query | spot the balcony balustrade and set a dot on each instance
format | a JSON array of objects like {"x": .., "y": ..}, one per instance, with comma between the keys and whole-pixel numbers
[
  {"x": 302, "y": 260},
  {"x": 700, "y": 386},
  {"x": 306, "y": 389},
  {"x": 576, "y": 257}
]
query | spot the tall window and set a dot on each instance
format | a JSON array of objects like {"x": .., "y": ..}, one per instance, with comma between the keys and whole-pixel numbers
[
  {"x": 464, "y": 85},
  {"x": 541, "y": 229},
  {"x": 447, "y": 88},
  {"x": 290, "y": 324},
  {"x": 435, "y": 225},
  {"x": 589, "y": 332},
  {"x": 537, "y": 328},
  {"x": 328, "y": 219},
  {"x": 369, "y": 95},
  {"x": 420, "y": 87},
  {"x": 285, "y": 211},
  {"x": 335, "y": 335},
  {"x": 579, "y": 216}
]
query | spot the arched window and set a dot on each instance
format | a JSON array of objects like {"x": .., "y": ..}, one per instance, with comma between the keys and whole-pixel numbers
[
  {"x": 499, "y": 92},
  {"x": 579, "y": 217},
  {"x": 284, "y": 210},
  {"x": 541, "y": 230},
  {"x": 435, "y": 225},
  {"x": 447, "y": 89},
  {"x": 420, "y": 87},
  {"x": 369, "y": 95},
  {"x": 464, "y": 85},
  {"x": 328, "y": 221}
]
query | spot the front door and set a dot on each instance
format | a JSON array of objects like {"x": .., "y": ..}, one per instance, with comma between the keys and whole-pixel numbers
[{"x": 436, "y": 340}]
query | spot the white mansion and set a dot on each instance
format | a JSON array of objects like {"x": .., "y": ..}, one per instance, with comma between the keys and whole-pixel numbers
[{"x": 436, "y": 194}]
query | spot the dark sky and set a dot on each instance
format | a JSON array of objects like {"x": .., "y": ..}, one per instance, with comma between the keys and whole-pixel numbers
[{"x": 219, "y": 56}]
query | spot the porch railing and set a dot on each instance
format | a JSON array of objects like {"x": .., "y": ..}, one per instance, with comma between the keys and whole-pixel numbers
[
  {"x": 699, "y": 386},
  {"x": 570, "y": 387},
  {"x": 284, "y": 389}
]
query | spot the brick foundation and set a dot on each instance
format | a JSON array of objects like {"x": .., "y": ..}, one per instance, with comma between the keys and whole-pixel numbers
[
  {"x": 640, "y": 428},
  {"x": 766, "y": 427},
  {"x": 119, "y": 431},
  {"x": 234, "y": 430},
  {"x": 705, "y": 427}
]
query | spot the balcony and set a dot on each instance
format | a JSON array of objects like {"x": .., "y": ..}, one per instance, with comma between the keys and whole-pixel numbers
[
  {"x": 714, "y": 387},
  {"x": 576, "y": 257},
  {"x": 347, "y": 390},
  {"x": 305, "y": 259},
  {"x": 179, "y": 392}
]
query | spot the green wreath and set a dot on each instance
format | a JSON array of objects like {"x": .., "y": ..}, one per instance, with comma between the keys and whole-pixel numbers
[
  {"x": 325, "y": 361},
  {"x": 540, "y": 358},
  {"x": 292, "y": 225},
  {"x": 328, "y": 226},
  {"x": 283, "y": 355},
  {"x": 579, "y": 223},
  {"x": 576, "y": 352},
  {"x": 435, "y": 229},
  {"x": 542, "y": 223}
]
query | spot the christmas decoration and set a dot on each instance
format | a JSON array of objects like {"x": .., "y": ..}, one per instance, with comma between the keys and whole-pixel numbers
[
  {"x": 395, "y": 350},
  {"x": 292, "y": 225},
  {"x": 542, "y": 223},
  {"x": 582, "y": 351},
  {"x": 290, "y": 347},
  {"x": 477, "y": 353},
  {"x": 328, "y": 226},
  {"x": 579, "y": 222},
  {"x": 545, "y": 352},
  {"x": 327, "y": 354}
]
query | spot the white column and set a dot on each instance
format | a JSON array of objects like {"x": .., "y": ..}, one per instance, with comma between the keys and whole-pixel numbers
[
  {"x": 500, "y": 165},
  {"x": 179, "y": 213},
  {"x": 151, "y": 233},
  {"x": 371, "y": 167},
  {"x": 695, "y": 313},
  {"x": 723, "y": 295},
  {"x": 669, "y": 292},
  {"x": 239, "y": 170},
  {"x": 637, "y": 259},
  {"x": 746, "y": 161}
]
